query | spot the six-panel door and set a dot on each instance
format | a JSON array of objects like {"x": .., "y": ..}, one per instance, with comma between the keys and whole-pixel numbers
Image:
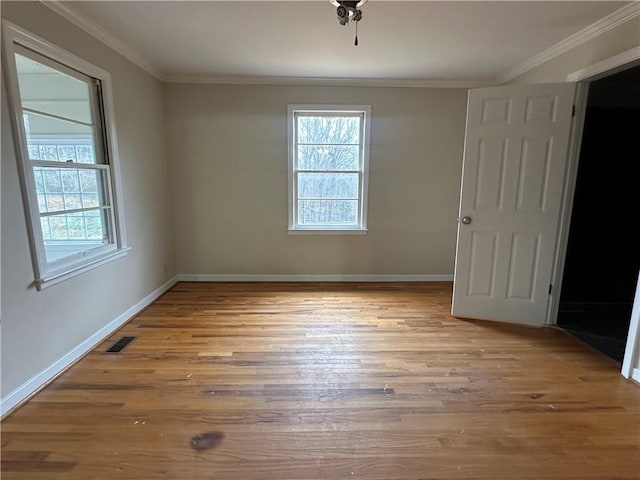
[{"x": 513, "y": 174}]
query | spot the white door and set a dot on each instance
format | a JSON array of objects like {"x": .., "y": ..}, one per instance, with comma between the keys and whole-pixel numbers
[{"x": 515, "y": 159}]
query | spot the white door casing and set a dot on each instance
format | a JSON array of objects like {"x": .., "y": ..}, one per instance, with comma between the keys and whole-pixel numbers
[{"x": 515, "y": 159}]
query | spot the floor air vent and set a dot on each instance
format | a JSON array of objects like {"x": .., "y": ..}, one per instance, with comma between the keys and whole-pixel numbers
[{"x": 120, "y": 345}]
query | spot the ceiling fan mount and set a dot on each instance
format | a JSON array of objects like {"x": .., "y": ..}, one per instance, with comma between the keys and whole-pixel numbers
[{"x": 348, "y": 10}]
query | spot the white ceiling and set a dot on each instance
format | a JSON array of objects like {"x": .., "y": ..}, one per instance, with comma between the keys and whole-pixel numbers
[{"x": 453, "y": 41}]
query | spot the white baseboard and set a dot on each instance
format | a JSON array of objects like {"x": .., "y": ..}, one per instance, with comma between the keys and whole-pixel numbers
[
  {"x": 37, "y": 382},
  {"x": 636, "y": 374},
  {"x": 200, "y": 277}
]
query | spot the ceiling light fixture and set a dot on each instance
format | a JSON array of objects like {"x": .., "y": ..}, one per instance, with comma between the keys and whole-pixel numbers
[{"x": 349, "y": 10}]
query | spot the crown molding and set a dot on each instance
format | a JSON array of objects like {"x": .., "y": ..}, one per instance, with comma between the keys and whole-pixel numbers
[
  {"x": 325, "y": 81},
  {"x": 620, "y": 16},
  {"x": 95, "y": 30},
  {"x": 607, "y": 67}
]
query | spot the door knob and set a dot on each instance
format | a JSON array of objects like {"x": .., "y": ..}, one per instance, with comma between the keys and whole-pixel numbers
[{"x": 466, "y": 220}]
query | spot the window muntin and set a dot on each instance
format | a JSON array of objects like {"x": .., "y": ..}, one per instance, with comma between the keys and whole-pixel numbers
[
  {"x": 67, "y": 157},
  {"x": 328, "y": 168}
]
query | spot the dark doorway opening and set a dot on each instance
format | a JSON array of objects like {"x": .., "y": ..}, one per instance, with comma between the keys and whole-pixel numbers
[{"x": 603, "y": 250}]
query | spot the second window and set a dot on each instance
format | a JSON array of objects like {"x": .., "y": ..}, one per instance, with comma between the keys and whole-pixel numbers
[{"x": 328, "y": 158}]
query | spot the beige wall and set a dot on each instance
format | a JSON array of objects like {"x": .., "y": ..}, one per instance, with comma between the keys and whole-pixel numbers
[
  {"x": 228, "y": 151},
  {"x": 38, "y": 328},
  {"x": 613, "y": 42}
]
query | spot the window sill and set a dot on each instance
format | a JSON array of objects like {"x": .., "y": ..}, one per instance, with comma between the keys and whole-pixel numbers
[
  {"x": 55, "y": 278},
  {"x": 336, "y": 231}
]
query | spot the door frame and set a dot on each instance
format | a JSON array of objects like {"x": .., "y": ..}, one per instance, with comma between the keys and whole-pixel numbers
[
  {"x": 566, "y": 206},
  {"x": 583, "y": 77}
]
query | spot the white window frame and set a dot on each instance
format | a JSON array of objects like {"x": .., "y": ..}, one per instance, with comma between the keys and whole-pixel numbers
[
  {"x": 365, "y": 143},
  {"x": 51, "y": 273}
]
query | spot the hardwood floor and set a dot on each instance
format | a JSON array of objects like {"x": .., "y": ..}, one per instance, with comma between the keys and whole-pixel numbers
[{"x": 328, "y": 381}]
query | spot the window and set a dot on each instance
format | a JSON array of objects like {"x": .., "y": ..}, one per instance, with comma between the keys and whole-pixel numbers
[
  {"x": 67, "y": 157},
  {"x": 328, "y": 168}
]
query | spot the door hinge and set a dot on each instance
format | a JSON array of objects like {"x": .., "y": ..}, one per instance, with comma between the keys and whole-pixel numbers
[
  {"x": 573, "y": 111},
  {"x": 550, "y": 288}
]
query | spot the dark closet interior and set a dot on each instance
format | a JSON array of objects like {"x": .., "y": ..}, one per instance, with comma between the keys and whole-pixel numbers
[{"x": 603, "y": 254}]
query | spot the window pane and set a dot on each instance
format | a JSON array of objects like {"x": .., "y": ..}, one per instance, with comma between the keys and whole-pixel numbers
[
  {"x": 58, "y": 140},
  {"x": 72, "y": 233},
  {"x": 328, "y": 185},
  {"x": 84, "y": 154},
  {"x": 54, "y": 202},
  {"x": 70, "y": 180},
  {"x": 323, "y": 212},
  {"x": 72, "y": 201},
  {"x": 47, "y": 152},
  {"x": 47, "y": 90},
  {"x": 336, "y": 130},
  {"x": 62, "y": 189},
  {"x": 320, "y": 157},
  {"x": 34, "y": 151},
  {"x": 52, "y": 180},
  {"x": 67, "y": 152},
  {"x": 90, "y": 200}
]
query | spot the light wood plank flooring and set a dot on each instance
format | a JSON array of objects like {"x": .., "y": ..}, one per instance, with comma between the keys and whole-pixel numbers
[{"x": 328, "y": 381}]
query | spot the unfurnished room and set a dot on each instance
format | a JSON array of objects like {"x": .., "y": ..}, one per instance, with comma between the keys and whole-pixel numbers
[{"x": 320, "y": 240}]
